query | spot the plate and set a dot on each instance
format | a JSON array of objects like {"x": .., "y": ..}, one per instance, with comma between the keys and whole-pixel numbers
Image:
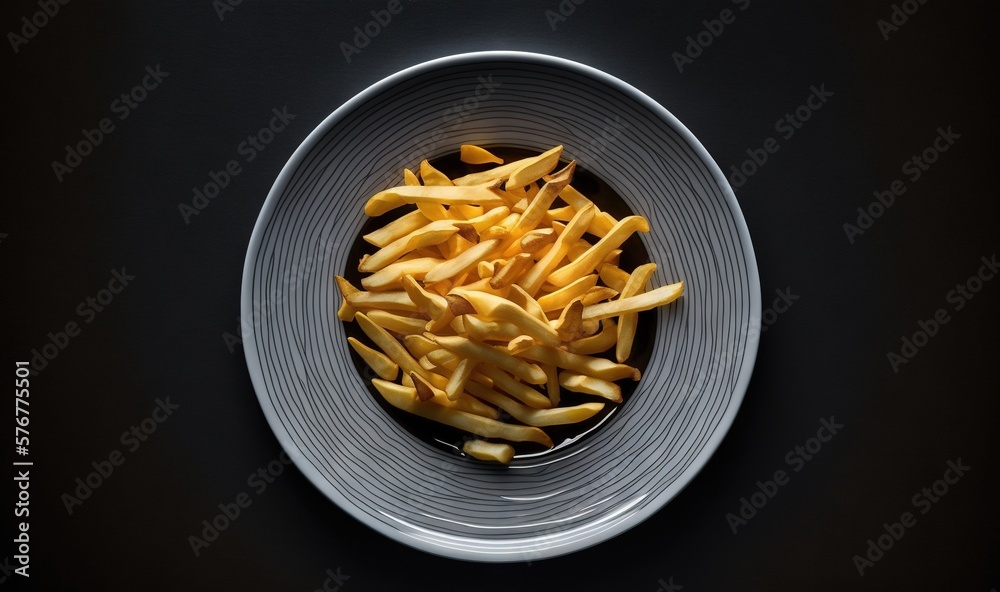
[{"x": 319, "y": 404}]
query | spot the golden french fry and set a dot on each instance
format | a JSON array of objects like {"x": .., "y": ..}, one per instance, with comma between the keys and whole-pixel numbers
[
  {"x": 459, "y": 378},
  {"x": 399, "y": 227},
  {"x": 535, "y": 417},
  {"x": 558, "y": 299},
  {"x": 535, "y": 210},
  {"x": 376, "y": 360},
  {"x": 529, "y": 373},
  {"x": 495, "y": 308},
  {"x": 485, "y": 269},
  {"x": 399, "y": 324},
  {"x": 515, "y": 388},
  {"x": 570, "y": 323},
  {"x": 490, "y": 451},
  {"x": 431, "y": 176},
  {"x": 510, "y": 271},
  {"x": 534, "y": 240},
  {"x": 597, "y": 343},
  {"x": 597, "y": 294},
  {"x": 433, "y": 211},
  {"x": 471, "y": 154},
  {"x": 405, "y": 399},
  {"x": 628, "y": 322},
  {"x": 520, "y": 343},
  {"x": 432, "y": 304},
  {"x": 541, "y": 270},
  {"x": 495, "y": 232},
  {"x": 346, "y": 312},
  {"x": 383, "y": 300},
  {"x": 590, "y": 366},
  {"x": 645, "y": 301},
  {"x": 502, "y": 172},
  {"x": 424, "y": 390},
  {"x": 581, "y": 383},
  {"x": 395, "y": 197},
  {"x": 463, "y": 262},
  {"x": 459, "y": 305},
  {"x": 535, "y": 168},
  {"x": 613, "y": 276},
  {"x": 482, "y": 330},
  {"x": 391, "y": 275},
  {"x": 552, "y": 385},
  {"x": 526, "y": 301},
  {"x": 419, "y": 346},
  {"x": 409, "y": 178},
  {"x": 433, "y": 233},
  {"x": 589, "y": 261}
]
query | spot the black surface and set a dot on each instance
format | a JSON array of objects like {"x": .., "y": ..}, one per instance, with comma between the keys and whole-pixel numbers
[{"x": 165, "y": 334}]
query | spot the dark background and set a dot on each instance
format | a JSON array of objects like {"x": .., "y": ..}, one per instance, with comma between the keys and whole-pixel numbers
[{"x": 165, "y": 335}]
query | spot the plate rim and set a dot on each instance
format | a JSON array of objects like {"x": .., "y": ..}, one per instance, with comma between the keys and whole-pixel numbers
[{"x": 698, "y": 462}]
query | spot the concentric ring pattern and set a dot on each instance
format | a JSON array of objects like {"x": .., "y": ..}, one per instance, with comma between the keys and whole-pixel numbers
[{"x": 322, "y": 411}]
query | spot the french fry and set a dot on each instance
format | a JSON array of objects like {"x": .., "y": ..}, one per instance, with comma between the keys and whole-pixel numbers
[
  {"x": 447, "y": 195},
  {"x": 597, "y": 343},
  {"x": 484, "y": 290},
  {"x": 404, "y": 398},
  {"x": 590, "y": 366},
  {"x": 541, "y": 270},
  {"x": 431, "y": 176},
  {"x": 582, "y": 383},
  {"x": 535, "y": 417},
  {"x": 475, "y": 155},
  {"x": 534, "y": 240},
  {"x": 510, "y": 271},
  {"x": 399, "y": 227},
  {"x": 489, "y": 451},
  {"x": 529, "y": 373},
  {"x": 613, "y": 276},
  {"x": 563, "y": 296},
  {"x": 463, "y": 262},
  {"x": 459, "y": 378},
  {"x": 496, "y": 308},
  {"x": 383, "y": 300},
  {"x": 503, "y": 172},
  {"x": 627, "y": 322},
  {"x": 391, "y": 275},
  {"x": 589, "y": 261},
  {"x": 645, "y": 301},
  {"x": 433, "y": 233},
  {"x": 376, "y": 360},
  {"x": 399, "y": 324}
]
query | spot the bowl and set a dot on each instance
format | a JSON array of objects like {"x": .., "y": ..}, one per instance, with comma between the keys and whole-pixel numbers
[{"x": 319, "y": 404}]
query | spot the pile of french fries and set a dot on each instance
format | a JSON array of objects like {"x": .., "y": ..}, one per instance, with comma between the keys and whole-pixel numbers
[{"x": 491, "y": 297}]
